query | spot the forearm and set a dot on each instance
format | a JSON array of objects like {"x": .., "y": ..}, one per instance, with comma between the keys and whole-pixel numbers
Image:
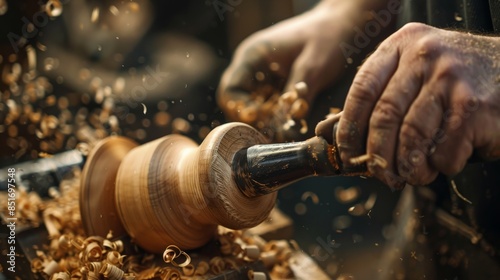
[
  {"x": 361, "y": 4},
  {"x": 365, "y": 23}
]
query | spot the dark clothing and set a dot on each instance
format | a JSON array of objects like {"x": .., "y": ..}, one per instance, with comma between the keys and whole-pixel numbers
[
  {"x": 473, "y": 196},
  {"x": 481, "y": 16}
]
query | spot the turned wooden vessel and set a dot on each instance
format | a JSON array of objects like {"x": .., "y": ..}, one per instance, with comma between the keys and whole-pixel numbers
[{"x": 170, "y": 191}]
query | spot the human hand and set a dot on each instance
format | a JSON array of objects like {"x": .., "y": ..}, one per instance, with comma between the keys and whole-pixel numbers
[
  {"x": 302, "y": 49},
  {"x": 424, "y": 101}
]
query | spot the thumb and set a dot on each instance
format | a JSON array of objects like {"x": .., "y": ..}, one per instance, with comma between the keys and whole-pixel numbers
[{"x": 326, "y": 128}]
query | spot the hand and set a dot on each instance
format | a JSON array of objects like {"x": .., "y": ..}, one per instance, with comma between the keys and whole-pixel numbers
[
  {"x": 302, "y": 49},
  {"x": 424, "y": 101}
]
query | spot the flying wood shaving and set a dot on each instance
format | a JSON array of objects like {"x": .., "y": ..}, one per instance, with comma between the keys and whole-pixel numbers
[
  {"x": 71, "y": 254},
  {"x": 455, "y": 189},
  {"x": 309, "y": 194}
]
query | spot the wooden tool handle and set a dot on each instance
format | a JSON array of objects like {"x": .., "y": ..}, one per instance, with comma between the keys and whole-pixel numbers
[{"x": 263, "y": 169}]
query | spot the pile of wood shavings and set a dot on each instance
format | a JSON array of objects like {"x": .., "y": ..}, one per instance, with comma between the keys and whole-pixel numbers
[
  {"x": 70, "y": 254},
  {"x": 271, "y": 112}
]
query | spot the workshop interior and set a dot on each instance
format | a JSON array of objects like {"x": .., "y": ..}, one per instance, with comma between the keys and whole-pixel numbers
[{"x": 117, "y": 163}]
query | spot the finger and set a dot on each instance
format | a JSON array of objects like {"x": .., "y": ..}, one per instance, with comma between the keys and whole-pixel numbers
[
  {"x": 419, "y": 134},
  {"x": 452, "y": 153},
  {"x": 388, "y": 114},
  {"x": 315, "y": 70},
  {"x": 239, "y": 80},
  {"x": 325, "y": 128},
  {"x": 231, "y": 97},
  {"x": 260, "y": 67},
  {"x": 366, "y": 88},
  {"x": 249, "y": 73}
]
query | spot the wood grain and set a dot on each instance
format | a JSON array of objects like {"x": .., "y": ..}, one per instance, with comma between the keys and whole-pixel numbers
[
  {"x": 97, "y": 199},
  {"x": 172, "y": 191}
]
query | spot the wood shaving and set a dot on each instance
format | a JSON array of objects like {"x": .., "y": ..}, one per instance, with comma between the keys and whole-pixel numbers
[
  {"x": 314, "y": 197},
  {"x": 455, "y": 189},
  {"x": 70, "y": 254},
  {"x": 370, "y": 159},
  {"x": 273, "y": 112}
]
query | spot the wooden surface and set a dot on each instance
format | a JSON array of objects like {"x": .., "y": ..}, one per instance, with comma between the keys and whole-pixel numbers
[
  {"x": 171, "y": 191},
  {"x": 97, "y": 192},
  {"x": 276, "y": 226}
]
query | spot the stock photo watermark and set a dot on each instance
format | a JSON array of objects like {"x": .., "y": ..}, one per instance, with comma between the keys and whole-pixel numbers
[
  {"x": 372, "y": 29},
  {"x": 11, "y": 219},
  {"x": 327, "y": 245},
  {"x": 453, "y": 119},
  {"x": 222, "y": 7},
  {"x": 31, "y": 28},
  {"x": 138, "y": 93}
]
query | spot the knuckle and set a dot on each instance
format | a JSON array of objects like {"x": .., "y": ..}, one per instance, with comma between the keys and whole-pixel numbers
[
  {"x": 386, "y": 46},
  {"x": 409, "y": 30},
  {"x": 412, "y": 132},
  {"x": 427, "y": 47},
  {"x": 365, "y": 86},
  {"x": 385, "y": 113},
  {"x": 404, "y": 168},
  {"x": 467, "y": 102},
  {"x": 413, "y": 27},
  {"x": 447, "y": 69}
]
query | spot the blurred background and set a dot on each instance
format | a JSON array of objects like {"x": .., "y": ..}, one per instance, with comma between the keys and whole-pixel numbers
[{"x": 74, "y": 71}]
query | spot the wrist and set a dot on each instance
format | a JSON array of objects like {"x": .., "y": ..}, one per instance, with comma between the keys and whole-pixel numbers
[{"x": 353, "y": 12}]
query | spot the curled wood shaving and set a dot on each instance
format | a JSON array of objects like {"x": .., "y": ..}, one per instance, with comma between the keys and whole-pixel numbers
[
  {"x": 217, "y": 265},
  {"x": 254, "y": 275},
  {"x": 202, "y": 268},
  {"x": 188, "y": 270},
  {"x": 114, "y": 258},
  {"x": 111, "y": 272},
  {"x": 231, "y": 263},
  {"x": 70, "y": 254},
  {"x": 172, "y": 253},
  {"x": 61, "y": 276},
  {"x": 92, "y": 252},
  {"x": 187, "y": 260},
  {"x": 370, "y": 159},
  {"x": 94, "y": 266}
]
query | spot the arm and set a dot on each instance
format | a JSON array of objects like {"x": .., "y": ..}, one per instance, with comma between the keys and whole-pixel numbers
[
  {"x": 424, "y": 101},
  {"x": 306, "y": 48}
]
